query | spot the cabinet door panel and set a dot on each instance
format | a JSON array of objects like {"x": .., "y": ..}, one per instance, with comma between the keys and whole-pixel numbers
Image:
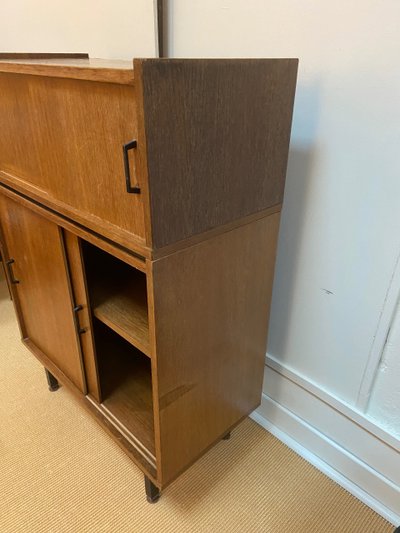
[
  {"x": 78, "y": 279},
  {"x": 43, "y": 292},
  {"x": 61, "y": 144}
]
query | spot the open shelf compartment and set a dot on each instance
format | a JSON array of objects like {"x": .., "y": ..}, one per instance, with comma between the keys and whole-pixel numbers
[
  {"x": 118, "y": 295},
  {"x": 126, "y": 389},
  {"x": 118, "y": 301}
]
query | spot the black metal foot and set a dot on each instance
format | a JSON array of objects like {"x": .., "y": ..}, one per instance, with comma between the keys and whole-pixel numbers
[
  {"x": 227, "y": 436},
  {"x": 152, "y": 492},
  {"x": 52, "y": 382}
]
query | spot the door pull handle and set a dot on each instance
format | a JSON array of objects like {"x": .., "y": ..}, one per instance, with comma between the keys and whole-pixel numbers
[
  {"x": 9, "y": 264},
  {"x": 126, "y": 147}
]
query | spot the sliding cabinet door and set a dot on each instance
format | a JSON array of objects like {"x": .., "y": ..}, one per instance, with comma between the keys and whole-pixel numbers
[{"x": 38, "y": 273}]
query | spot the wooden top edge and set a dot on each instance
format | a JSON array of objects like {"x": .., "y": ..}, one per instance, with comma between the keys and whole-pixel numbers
[
  {"x": 40, "y": 55},
  {"x": 80, "y": 66},
  {"x": 64, "y": 66},
  {"x": 222, "y": 60}
]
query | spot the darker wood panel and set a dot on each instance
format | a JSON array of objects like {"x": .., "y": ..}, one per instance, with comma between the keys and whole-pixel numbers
[
  {"x": 61, "y": 143},
  {"x": 211, "y": 309},
  {"x": 161, "y": 22},
  {"x": 217, "y": 134},
  {"x": 40, "y": 55},
  {"x": 196, "y": 239},
  {"x": 43, "y": 291}
]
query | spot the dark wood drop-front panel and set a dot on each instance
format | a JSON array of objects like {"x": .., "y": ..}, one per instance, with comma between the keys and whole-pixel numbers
[
  {"x": 43, "y": 291},
  {"x": 217, "y": 136}
]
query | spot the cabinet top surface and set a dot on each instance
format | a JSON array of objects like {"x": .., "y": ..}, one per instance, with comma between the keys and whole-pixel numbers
[
  {"x": 80, "y": 66},
  {"x": 106, "y": 70}
]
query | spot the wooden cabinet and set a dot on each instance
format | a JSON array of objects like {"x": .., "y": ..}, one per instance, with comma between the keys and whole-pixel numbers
[{"x": 139, "y": 212}]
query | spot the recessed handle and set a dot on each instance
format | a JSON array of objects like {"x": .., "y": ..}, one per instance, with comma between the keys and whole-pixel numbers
[
  {"x": 126, "y": 147},
  {"x": 9, "y": 264}
]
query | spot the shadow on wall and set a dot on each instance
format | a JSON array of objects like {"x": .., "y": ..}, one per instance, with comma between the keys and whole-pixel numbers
[{"x": 301, "y": 176}]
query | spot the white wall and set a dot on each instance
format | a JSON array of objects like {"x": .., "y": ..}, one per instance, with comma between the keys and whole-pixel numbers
[
  {"x": 385, "y": 399},
  {"x": 340, "y": 231},
  {"x": 120, "y": 29}
]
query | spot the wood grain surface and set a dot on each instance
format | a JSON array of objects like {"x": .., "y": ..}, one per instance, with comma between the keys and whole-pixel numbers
[
  {"x": 125, "y": 377},
  {"x": 43, "y": 291},
  {"x": 118, "y": 295},
  {"x": 212, "y": 146},
  {"x": 78, "y": 66},
  {"x": 211, "y": 308},
  {"x": 122, "y": 305},
  {"x": 62, "y": 143},
  {"x": 84, "y": 319},
  {"x": 130, "y": 256},
  {"x": 217, "y": 134}
]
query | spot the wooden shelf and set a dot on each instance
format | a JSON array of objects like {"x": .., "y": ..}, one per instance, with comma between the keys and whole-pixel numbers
[
  {"x": 122, "y": 305},
  {"x": 125, "y": 379}
]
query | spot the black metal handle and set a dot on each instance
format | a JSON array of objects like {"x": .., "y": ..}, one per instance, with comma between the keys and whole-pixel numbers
[
  {"x": 10, "y": 272},
  {"x": 129, "y": 146},
  {"x": 78, "y": 308}
]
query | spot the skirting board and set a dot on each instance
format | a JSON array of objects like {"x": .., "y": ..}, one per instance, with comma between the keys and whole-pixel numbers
[{"x": 355, "y": 457}]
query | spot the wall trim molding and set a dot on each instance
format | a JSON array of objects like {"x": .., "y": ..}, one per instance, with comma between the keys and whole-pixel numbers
[
  {"x": 380, "y": 338},
  {"x": 326, "y": 469},
  {"x": 335, "y": 438},
  {"x": 333, "y": 401}
]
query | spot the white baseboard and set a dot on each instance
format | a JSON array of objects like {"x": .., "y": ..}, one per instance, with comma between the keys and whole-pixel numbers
[{"x": 340, "y": 442}]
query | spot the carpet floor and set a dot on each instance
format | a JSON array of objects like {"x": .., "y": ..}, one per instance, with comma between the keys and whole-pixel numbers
[{"x": 59, "y": 472}]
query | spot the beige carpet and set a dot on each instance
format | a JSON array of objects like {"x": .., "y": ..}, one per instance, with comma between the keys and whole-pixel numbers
[{"x": 59, "y": 472}]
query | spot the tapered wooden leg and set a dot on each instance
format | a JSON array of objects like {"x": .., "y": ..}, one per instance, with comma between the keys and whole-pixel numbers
[
  {"x": 52, "y": 382},
  {"x": 227, "y": 436},
  {"x": 152, "y": 492}
]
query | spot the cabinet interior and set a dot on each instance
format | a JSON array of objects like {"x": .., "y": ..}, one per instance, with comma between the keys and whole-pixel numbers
[
  {"x": 118, "y": 301},
  {"x": 118, "y": 296}
]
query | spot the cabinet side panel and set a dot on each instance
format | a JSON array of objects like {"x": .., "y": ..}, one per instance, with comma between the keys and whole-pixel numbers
[
  {"x": 211, "y": 306},
  {"x": 217, "y": 136}
]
